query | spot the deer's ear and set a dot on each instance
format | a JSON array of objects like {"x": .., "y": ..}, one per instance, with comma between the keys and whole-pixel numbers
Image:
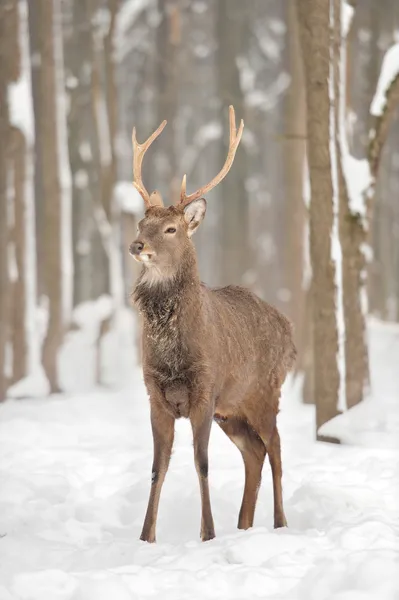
[{"x": 193, "y": 214}]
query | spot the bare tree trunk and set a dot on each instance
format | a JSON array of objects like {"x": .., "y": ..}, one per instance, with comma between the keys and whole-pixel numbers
[
  {"x": 315, "y": 41},
  {"x": 85, "y": 178},
  {"x": 4, "y": 137},
  {"x": 19, "y": 293},
  {"x": 51, "y": 189},
  {"x": 34, "y": 22},
  {"x": 167, "y": 76},
  {"x": 10, "y": 70},
  {"x": 232, "y": 28},
  {"x": 294, "y": 147}
]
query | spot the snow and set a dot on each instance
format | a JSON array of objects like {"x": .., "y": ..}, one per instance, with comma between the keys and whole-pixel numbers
[
  {"x": 356, "y": 172},
  {"x": 373, "y": 422},
  {"x": 128, "y": 198},
  {"x": 103, "y": 130},
  {"x": 336, "y": 249},
  {"x": 358, "y": 180},
  {"x": 19, "y": 93},
  {"x": 75, "y": 472},
  {"x": 347, "y": 14},
  {"x": 389, "y": 71}
]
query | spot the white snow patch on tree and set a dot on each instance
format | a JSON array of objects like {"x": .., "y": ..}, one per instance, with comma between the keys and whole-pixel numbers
[
  {"x": 20, "y": 92},
  {"x": 103, "y": 131},
  {"x": 12, "y": 263},
  {"x": 389, "y": 71},
  {"x": 85, "y": 151},
  {"x": 81, "y": 179},
  {"x": 347, "y": 13},
  {"x": 128, "y": 198},
  {"x": 358, "y": 180},
  {"x": 356, "y": 172}
]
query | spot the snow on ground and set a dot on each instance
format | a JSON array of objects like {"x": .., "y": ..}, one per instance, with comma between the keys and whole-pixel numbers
[{"x": 75, "y": 473}]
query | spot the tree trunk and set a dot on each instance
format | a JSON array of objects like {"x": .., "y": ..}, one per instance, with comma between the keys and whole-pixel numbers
[
  {"x": 294, "y": 147},
  {"x": 81, "y": 154},
  {"x": 165, "y": 175},
  {"x": 234, "y": 226},
  {"x": 352, "y": 237},
  {"x": 4, "y": 137},
  {"x": 51, "y": 190},
  {"x": 315, "y": 40},
  {"x": 35, "y": 25},
  {"x": 19, "y": 292}
]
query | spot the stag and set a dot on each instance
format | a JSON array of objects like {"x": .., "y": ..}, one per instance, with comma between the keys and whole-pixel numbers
[{"x": 208, "y": 354}]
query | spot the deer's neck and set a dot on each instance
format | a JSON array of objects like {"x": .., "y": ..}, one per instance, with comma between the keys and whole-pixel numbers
[{"x": 162, "y": 303}]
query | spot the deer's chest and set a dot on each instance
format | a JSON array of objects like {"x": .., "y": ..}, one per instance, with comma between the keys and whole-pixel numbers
[{"x": 166, "y": 349}]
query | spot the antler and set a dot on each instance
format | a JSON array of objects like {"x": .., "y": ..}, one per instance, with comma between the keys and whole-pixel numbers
[
  {"x": 235, "y": 138},
  {"x": 138, "y": 154}
]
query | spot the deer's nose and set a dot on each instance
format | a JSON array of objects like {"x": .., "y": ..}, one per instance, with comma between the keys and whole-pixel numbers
[{"x": 136, "y": 248}]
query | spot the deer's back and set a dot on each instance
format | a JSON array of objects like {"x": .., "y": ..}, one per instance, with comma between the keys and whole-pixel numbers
[{"x": 254, "y": 337}]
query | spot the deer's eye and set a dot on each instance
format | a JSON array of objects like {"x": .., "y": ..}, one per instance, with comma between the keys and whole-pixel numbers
[{"x": 170, "y": 230}]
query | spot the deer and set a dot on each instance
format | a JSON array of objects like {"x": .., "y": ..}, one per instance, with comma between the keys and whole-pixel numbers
[{"x": 218, "y": 354}]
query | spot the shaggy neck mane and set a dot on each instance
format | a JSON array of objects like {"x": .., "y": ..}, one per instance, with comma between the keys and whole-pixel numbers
[{"x": 160, "y": 301}]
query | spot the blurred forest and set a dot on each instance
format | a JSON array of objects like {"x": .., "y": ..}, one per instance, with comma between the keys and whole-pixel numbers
[{"x": 77, "y": 75}]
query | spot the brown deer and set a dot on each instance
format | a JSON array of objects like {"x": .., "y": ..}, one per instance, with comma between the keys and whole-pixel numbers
[{"x": 208, "y": 354}]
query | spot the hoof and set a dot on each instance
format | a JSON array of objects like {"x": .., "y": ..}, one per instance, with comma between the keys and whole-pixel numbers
[
  {"x": 146, "y": 537},
  {"x": 280, "y": 522},
  {"x": 207, "y": 535}
]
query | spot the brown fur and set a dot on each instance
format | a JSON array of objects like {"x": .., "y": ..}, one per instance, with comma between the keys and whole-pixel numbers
[{"x": 208, "y": 353}]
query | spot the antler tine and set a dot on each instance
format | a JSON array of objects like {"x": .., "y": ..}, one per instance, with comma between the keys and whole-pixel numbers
[
  {"x": 235, "y": 138},
  {"x": 138, "y": 154}
]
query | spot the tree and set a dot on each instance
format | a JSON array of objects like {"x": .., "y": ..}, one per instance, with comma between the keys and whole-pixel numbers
[
  {"x": 294, "y": 147},
  {"x": 314, "y": 26},
  {"x": 357, "y": 180},
  {"x": 232, "y": 29},
  {"x": 5, "y": 75},
  {"x": 48, "y": 144}
]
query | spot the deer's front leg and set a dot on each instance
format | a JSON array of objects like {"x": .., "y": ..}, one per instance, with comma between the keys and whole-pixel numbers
[
  {"x": 163, "y": 426},
  {"x": 201, "y": 422}
]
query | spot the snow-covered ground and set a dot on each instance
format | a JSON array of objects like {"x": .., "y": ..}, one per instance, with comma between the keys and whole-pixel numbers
[{"x": 74, "y": 478}]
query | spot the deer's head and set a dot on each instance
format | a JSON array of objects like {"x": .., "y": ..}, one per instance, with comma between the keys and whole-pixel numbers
[{"x": 164, "y": 234}]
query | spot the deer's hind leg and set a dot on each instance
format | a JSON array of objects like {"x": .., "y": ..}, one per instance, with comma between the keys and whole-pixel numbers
[
  {"x": 265, "y": 424},
  {"x": 253, "y": 452}
]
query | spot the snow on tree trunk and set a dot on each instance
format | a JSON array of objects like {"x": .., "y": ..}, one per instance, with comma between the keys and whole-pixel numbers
[
  {"x": 351, "y": 172},
  {"x": 314, "y": 25},
  {"x": 336, "y": 248},
  {"x": 357, "y": 182}
]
